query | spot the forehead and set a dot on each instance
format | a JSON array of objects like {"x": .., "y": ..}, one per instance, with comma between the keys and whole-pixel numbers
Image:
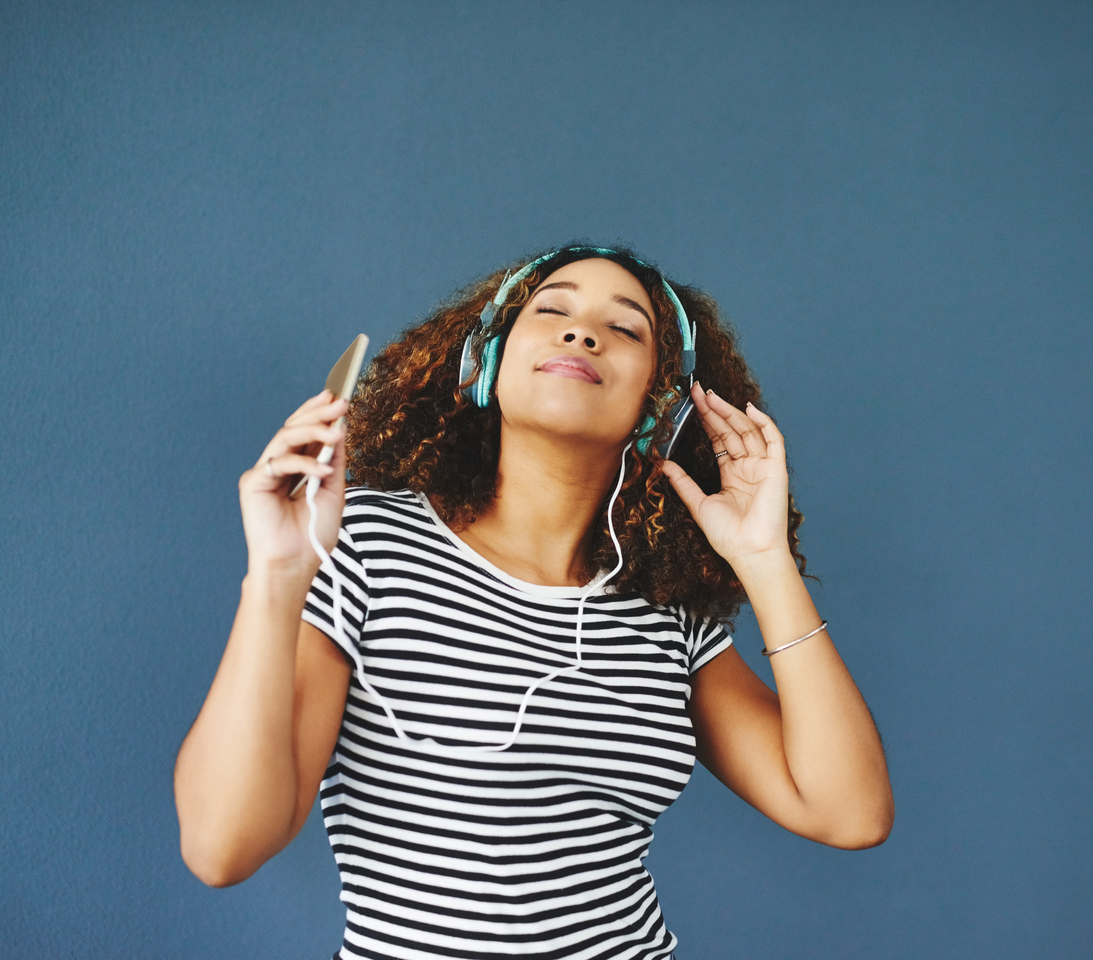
[{"x": 596, "y": 276}]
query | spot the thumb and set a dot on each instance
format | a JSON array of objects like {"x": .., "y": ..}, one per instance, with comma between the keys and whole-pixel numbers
[{"x": 689, "y": 492}]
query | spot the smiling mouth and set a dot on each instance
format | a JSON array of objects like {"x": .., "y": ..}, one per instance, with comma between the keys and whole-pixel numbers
[{"x": 573, "y": 367}]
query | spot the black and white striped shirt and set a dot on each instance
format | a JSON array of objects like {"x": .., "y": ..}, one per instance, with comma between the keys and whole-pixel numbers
[{"x": 535, "y": 851}]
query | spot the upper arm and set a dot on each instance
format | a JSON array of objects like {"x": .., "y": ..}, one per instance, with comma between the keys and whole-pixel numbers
[
  {"x": 321, "y": 687},
  {"x": 738, "y": 728}
]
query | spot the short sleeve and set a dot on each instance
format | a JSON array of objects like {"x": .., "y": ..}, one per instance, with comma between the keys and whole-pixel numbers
[
  {"x": 705, "y": 640},
  {"x": 352, "y": 579}
]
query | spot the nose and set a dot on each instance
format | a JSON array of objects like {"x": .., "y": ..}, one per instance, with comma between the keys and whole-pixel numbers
[{"x": 571, "y": 337}]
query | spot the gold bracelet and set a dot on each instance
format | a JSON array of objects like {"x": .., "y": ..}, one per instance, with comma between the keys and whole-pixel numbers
[{"x": 793, "y": 643}]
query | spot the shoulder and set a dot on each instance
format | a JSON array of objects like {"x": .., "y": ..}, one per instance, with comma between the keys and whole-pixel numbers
[
  {"x": 376, "y": 526},
  {"x": 705, "y": 637},
  {"x": 365, "y": 498},
  {"x": 383, "y": 525},
  {"x": 701, "y": 638},
  {"x": 366, "y": 507}
]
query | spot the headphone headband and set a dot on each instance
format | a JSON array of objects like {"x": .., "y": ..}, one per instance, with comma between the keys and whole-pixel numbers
[
  {"x": 686, "y": 328},
  {"x": 479, "y": 390}
]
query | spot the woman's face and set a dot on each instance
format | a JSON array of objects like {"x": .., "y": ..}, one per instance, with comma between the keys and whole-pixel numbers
[{"x": 580, "y": 357}]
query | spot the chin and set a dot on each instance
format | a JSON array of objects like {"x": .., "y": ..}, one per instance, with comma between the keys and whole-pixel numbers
[
  {"x": 591, "y": 439},
  {"x": 568, "y": 417}
]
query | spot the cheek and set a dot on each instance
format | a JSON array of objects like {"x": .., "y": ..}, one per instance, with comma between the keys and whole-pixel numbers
[
  {"x": 644, "y": 378},
  {"x": 506, "y": 375},
  {"x": 517, "y": 347}
]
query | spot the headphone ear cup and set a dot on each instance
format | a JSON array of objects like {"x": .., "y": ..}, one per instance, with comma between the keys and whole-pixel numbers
[
  {"x": 680, "y": 414},
  {"x": 491, "y": 360},
  {"x": 466, "y": 367},
  {"x": 478, "y": 390}
]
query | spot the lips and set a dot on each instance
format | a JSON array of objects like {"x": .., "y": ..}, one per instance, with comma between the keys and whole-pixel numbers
[{"x": 576, "y": 368}]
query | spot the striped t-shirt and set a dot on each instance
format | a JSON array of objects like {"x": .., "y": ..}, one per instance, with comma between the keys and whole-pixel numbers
[{"x": 535, "y": 851}]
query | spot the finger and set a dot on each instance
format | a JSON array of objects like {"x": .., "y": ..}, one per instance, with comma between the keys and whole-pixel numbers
[
  {"x": 311, "y": 402},
  {"x": 312, "y": 412},
  {"x": 340, "y": 460},
  {"x": 688, "y": 491},
  {"x": 776, "y": 444},
  {"x": 723, "y": 436},
  {"x": 745, "y": 428},
  {"x": 331, "y": 484},
  {"x": 287, "y": 464},
  {"x": 292, "y": 438},
  {"x": 336, "y": 480},
  {"x": 269, "y": 475}
]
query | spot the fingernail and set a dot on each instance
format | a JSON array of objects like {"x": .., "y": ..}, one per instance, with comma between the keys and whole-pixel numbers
[{"x": 708, "y": 392}]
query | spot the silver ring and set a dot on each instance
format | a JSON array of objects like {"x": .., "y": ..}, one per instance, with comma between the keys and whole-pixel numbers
[
  {"x": 723, "y": 453},
  {"x": 269, "y": 469}
]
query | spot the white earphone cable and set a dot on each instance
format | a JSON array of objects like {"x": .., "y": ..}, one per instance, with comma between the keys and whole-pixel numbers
[{"x": 329, "y": 566}]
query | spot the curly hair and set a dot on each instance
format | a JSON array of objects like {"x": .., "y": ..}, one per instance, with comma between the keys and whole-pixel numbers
[{"x": 411, "y": 426}]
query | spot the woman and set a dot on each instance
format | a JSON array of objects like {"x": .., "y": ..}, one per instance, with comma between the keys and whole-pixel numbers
[{"x": 514, "y": 693}]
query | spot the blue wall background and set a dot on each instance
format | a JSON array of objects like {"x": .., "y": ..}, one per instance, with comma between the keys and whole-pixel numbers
[{"x": 201, "y": 203}]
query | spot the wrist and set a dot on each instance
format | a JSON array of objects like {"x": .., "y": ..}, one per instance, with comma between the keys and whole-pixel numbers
[
  {"x": 763, "y": 565},
  {"x": 279, "y": 583}
]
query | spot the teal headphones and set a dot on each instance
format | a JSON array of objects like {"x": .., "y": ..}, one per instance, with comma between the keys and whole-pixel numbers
[{"x": 479, "y": 390}]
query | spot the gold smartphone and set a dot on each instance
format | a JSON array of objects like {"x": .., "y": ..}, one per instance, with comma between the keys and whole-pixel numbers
[{"x": 341, "y": 382}]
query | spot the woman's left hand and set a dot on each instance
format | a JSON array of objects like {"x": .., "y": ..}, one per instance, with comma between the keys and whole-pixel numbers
[{"x": 748, "y": 517}]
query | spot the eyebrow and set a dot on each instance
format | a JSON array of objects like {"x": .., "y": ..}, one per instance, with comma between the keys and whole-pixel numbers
[{"x": 618, "y": 298}]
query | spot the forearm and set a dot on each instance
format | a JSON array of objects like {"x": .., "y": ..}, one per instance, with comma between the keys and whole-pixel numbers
[
  {"x": 832, "y": 750},
  {"x": 236, "y": 775}
]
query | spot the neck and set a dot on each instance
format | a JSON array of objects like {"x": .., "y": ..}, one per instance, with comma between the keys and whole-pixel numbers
[{"x": 539, "y": 526}]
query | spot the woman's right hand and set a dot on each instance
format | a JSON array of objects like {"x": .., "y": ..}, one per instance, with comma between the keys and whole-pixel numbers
[
  {"x": 250, "y": 767},
  {"x": 275, "y": 525}
]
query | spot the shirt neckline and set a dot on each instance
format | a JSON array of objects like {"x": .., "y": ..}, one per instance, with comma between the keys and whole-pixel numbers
[{"x": 535, "y": 589}]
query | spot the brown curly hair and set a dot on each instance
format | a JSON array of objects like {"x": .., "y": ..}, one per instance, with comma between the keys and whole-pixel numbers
[{"x": 411, "y": 426}]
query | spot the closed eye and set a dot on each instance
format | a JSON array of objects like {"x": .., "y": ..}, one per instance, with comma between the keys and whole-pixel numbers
[
  {"x": 621, "y": 328},
  {"x": 632, "y": 334}
]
